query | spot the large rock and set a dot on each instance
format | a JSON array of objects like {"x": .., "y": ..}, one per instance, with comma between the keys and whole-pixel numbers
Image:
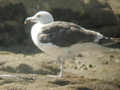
[
  {"x": 93, "y": 14},
  {"x": 11, "y": 23}
]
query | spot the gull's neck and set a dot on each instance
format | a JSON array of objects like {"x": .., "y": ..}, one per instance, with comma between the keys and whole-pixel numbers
[
  {"x": 35, "y": 31},
  {"x": 37, "y": 28}
]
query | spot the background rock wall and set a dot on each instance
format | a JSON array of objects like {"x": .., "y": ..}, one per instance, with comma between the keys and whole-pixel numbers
[{"x": 99, "y": 15}]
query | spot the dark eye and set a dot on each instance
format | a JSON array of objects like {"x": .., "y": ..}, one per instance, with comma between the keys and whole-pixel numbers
[{"x": 38, "y": 16}]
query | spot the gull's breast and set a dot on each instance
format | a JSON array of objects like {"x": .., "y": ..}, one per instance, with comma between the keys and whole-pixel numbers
[{"x": 64, "y": 52}]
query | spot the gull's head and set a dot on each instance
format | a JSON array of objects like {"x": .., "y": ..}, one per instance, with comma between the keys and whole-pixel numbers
[{"x": 42, "y": 17}]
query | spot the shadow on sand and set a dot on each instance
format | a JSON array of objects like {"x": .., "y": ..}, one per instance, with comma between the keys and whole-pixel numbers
[{"x": 27, "y": 69}]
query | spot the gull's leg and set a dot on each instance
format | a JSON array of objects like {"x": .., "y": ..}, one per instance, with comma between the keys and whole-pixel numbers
[
  {"x": 61, "y": 62},
  {"x": 61, "y": 67}
]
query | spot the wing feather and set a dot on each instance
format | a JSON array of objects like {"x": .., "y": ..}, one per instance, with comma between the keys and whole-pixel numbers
[{"x": 66, "y": 34}]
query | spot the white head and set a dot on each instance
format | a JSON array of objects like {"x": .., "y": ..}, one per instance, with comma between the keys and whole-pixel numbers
[{"x": 42, "y": 17}]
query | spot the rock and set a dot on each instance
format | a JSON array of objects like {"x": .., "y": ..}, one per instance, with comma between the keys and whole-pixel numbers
[
  {"x": 89, "y": 13},
  {"x": 92, "y": 14},
  {"x": 11, "y": 26}
]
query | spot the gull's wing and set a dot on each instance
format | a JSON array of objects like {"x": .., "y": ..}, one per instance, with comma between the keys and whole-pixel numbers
[{"x": 66, "y": 34}]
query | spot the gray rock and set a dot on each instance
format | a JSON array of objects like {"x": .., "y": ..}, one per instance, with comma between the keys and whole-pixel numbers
[{"x": 93, "y": 14}]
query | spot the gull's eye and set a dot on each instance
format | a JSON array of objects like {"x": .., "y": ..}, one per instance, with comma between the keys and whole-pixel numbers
[{"x": 38, "y": 16}]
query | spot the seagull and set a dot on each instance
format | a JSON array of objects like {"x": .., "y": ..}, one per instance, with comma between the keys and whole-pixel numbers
[{"x": 59, "y": 39}]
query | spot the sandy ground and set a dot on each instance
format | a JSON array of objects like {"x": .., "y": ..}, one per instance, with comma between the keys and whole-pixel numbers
[{"x": 95, "y": 68}]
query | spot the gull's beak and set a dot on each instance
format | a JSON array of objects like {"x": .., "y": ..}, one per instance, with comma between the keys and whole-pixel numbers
[{"x": 29, "y": 20}]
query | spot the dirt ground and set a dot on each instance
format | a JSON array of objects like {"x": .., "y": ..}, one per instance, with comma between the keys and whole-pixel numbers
[{"x": 95, "y": 68}]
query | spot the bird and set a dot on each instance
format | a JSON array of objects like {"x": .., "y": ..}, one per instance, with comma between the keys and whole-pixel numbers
[{"x": 60, "y": 39}]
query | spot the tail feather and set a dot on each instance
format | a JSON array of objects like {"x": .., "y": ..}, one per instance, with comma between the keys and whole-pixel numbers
[{"x": 106, "y": 41}]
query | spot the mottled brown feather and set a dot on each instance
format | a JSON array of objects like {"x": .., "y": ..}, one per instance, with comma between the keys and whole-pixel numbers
[{"x": 66, "y": 34}]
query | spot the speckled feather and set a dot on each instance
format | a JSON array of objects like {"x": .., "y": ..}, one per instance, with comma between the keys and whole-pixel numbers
[{"x": 66, "y": 34}]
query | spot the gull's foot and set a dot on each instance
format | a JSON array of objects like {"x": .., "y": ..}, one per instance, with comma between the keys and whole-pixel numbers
[{"x": 55, "y": 76}]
